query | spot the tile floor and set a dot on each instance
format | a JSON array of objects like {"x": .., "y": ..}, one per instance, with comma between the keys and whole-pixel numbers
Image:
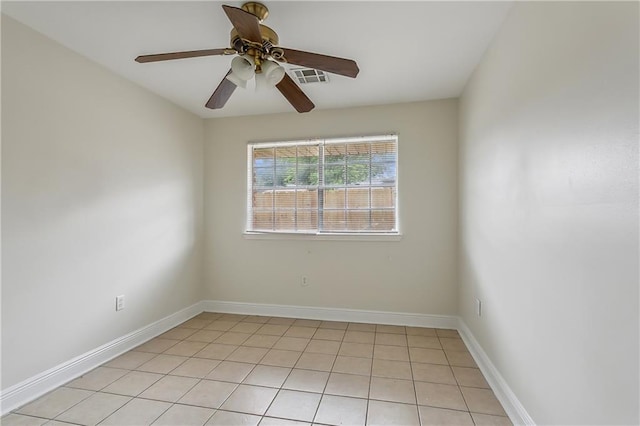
[{"x": 223, "y": 369}]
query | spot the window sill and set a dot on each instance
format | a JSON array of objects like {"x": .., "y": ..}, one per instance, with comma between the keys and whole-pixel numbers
[{"x": 320, "y": 237}]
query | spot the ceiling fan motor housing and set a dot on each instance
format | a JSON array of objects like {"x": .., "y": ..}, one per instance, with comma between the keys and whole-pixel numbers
[{"x": 268, "y": 36}]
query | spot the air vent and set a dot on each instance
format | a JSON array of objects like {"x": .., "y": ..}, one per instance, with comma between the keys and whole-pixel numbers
[{"x": 309, "y": 75}]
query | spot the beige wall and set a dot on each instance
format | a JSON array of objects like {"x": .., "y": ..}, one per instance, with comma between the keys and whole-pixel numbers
[
  {"x": 416, "y": 274},
  {"x": 101, "y": 196},
  {"x": 549, "y": 209}
]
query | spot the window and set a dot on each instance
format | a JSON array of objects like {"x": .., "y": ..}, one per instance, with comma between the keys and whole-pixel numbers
[{"x": 328, "y": 186}]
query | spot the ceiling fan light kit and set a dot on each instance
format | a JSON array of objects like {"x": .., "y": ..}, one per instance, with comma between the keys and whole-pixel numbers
[{"x": 258, "y": 55}]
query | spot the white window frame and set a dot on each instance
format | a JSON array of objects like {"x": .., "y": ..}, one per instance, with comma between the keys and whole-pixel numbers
[{"x": 321, "y": 234}]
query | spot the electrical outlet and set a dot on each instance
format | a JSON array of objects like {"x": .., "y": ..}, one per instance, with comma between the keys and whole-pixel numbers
[
  {"x": 304, "y": 282},
  {"x": 479, "y": 307},
  {"x": 119, "y": 303}
]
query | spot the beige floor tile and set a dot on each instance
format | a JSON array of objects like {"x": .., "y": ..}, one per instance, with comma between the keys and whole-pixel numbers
[
  {"x": 169, "y": 388},
  {"x": 295, "y": 331},
  {"x": 273, "y": 329},
  {"x": 348, "y": 385},
  {"x": 424, "y": 342},
  {"x": 195, "y": 367},
  {"x": 391, "y": 369},
  {"x": 394, "y": 390},
  {"x": 396, "y": 329},
  {"x": 439, "y": 395},
  {"x": 232, "y": 338},
  {"x": 209, "y": 316},
  {"x": 221, "y": 325},
  {"x": 162, "y": 364},
  {"x": 97, "y": 379},
  {"x": 133, "y": 384},
  {"x": 359, "y": 337},
  {"x": 470, "y": 377},
  {"x": 195, "y": 323},
  {"x": 292, "y": 343},
  {"x": 357, "y": 326},
  {"x": 272, "y": 421},
  {"x": 433, "y": 373},
  {"x": 307, "y": 323},
  {"x": 258, "y": 319},
  {"x": 329, "y": 334},
  {"x": 94, "y": 409},
  {"x": 334, "y": 325},
  {"x": 137, "y": 412},
  {"x": 352, "y": 365},
  {"x": 441, "y": 332},
  {"x": 266, "y": 375},
  {"x": 233, "y": 317},
  {"x": 229, "y": 371},
  {"x": 489, "y": 420},
  {"x": 280, "y": 358},
  {"x": 361, "y": 350},
  {"x": 281, "y": 321},
  {"x": 261, "y": 341},
  {"x": 250, "y": 399},
  {"x": 392, "y": 413},
  {"x": 421, "y": 331},
  {"x": 184, "y": 415},
  {"x": 178, "y": 333},
  {"x": 294, "y": 405},
  {"x": 391, "y": 339},
  {"x": 246, "y": 327},
  {"x": 306, "y": 380},
  {"x": 185, "y": 348},
  {"x": 460, "y": 359},
  {"x": 482, "y": 401},
  {"x": 247, "y": 354},
  {"x": 431, "y": 416},
  {"x": 206, "y": 336},
  {"x": 130, "y": 360},
  {"x": 21, "y": 420},
  {"x": 208, "y": 393},
  {"x": 227, "y": 418},
  {"x": 318, "y": 362},
  {"x": 452, "y": 344},
  {"x": 330, "y": 347},
  {"x": 156, "y": 345},
  {"x": 429, "y": 356},
  {"x": 392, "y": 353},
  {"x": 55, "y": 403},
  {"x": 341, "y": 410},
  {"x": 216, "y": 351}
]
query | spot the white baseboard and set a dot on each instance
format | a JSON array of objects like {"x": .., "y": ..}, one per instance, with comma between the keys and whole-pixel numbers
[
  {"x": 332, "y": 314},
  {"x": 511, "y": 404},
  {"x": 33, "y": 387}
]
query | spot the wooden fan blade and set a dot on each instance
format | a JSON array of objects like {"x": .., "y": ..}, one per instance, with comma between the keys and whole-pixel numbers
[
  {"x": 183, "y": 55},
  {"x": 222, "y": 93},
  {"x": 247, "y": 25},
  {"x": 294, "y": 95},
  {"x": 347, "y": 67}
]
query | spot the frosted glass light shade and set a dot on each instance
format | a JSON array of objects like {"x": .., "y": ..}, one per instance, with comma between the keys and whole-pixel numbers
[
  {"x": 243, "y": 67},
  {"x": 273, "y": 73}
]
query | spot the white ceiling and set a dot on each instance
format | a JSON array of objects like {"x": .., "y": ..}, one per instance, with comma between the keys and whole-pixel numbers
[{"x": 406, "y": 51}]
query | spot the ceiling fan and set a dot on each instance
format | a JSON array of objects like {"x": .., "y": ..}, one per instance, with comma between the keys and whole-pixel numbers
[{"x": 258, "y": 54}]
